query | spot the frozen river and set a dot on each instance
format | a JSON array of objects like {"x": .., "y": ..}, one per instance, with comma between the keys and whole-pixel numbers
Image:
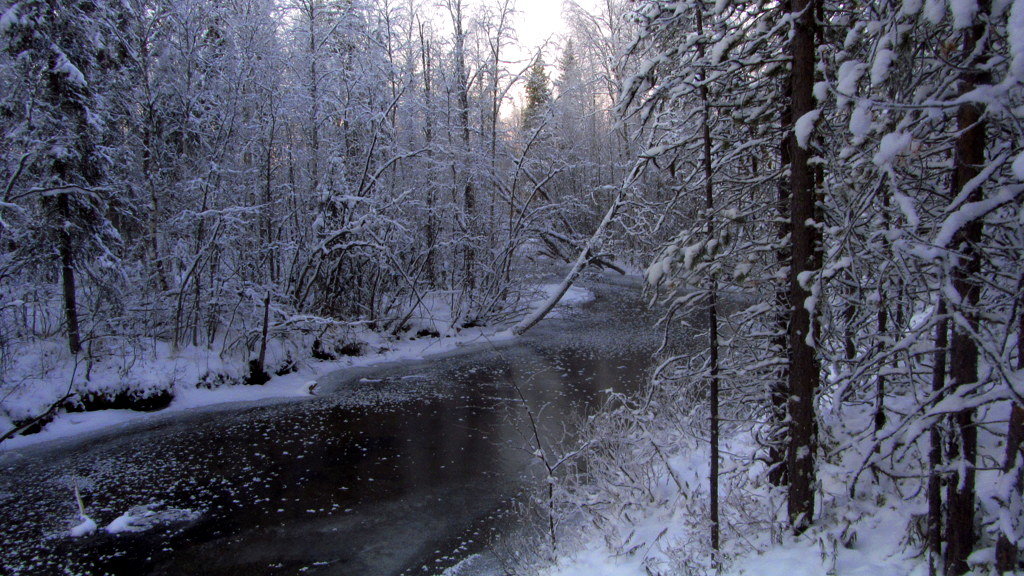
[{"x": 394, "y": 469}]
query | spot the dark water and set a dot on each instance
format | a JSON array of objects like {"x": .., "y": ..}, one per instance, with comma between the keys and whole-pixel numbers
[{"x": 391, "y": 470}]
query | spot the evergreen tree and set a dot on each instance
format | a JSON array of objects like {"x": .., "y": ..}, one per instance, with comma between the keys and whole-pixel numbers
[{"x": 538, "y": 95}]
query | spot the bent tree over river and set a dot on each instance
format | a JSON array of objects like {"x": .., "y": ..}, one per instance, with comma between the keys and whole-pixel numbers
[{"x": 400, "y": 468}]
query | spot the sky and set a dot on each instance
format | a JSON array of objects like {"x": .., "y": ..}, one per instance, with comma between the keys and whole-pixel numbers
[{"x": 537, "y": 21}]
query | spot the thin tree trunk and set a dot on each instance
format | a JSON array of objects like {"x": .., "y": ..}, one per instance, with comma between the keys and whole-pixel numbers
[
  {"x": 779, "y": 392},
  {"x": 1007, "y": 553},
  {"x": 67, "y": 269},
  {"x": 468, "y": 195},
  {"x": 266, "y": 211},
  {"x": 709, "y": 208},
  {"x": 883, "y": 327},
  {"x": 260, "y": 370},
  {"x": 935, "y": 438},
  {"x": 428, "y": 136}
]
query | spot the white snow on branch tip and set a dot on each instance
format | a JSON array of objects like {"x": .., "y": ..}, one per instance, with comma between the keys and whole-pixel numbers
[
  {"x": 74, "y": 75},
  {"x": 963, "y": 12},
  {"x": 9, "y": 18},
  {"x": 1018, "y": 162},
  {"x": 1015, "y": 34},
  {"x": 849, "y": 75},
  {"x": 821, "y": 91},
  {"x": 972, "y": 211},
  {"x": 721, "y": 48},
  {"x": 934, "y": 11},
  {"x": 880, "y": 66},
  {"x": 911, "y": 7},
  {"x": 860, "y": 120},
  {"x": 805, "y": 126},
  {"x": 891, "y": 146}
]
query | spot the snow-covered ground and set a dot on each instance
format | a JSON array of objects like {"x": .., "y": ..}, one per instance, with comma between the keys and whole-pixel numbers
[
  {"x": 647, "y": 512},
  {"x": 181, "y": 372}
]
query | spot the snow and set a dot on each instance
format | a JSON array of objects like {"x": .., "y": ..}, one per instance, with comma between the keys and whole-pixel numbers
[
  {"x": 74, "y": 75},
  {"x": 821, "y": 91},
  {"x": 721, "y": 48},
  {"x": 860, "y": 121},
  {"x": 574, "y": 296},
  {"x": 880, "y": 66},
  {"x": 970, "y": 212},
  {"x": 850, "y": 73},
  {"x": 142, "y": 518},
  {"x": 10, "y": 18},
  {"x": 852, "y": 37},
  {"x": 85, "y": 527},
  {"x": 934, "y": 11},
  {"x": 906, "y": 205},
  {"x": 804, "y": 126},
  {"x": 669, "y": 536},
  {"x": 289, "y": 386},
  {"x": 190, "y": 366},
  {"x": 1015, "y": 35},
  {"x": 1018, "y": 162},
  {"x": 891, "y": 146},
  {"x": 963, "y": 12},
  {"x": 911, "y": 7}
]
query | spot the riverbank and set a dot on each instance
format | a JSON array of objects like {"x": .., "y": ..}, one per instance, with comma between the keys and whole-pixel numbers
[{"x": 173, "y": 382}]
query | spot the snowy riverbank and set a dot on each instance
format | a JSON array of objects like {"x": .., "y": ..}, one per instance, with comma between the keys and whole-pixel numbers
[{"x": 196, "y": 378}]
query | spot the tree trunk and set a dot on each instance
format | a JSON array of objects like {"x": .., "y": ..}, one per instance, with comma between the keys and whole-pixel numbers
[
  {"x": 935, "y": 439},
  {"x": 428, "y": 136},
  {"x": 803, "y": 369},
  {"x": 709, "y": 208},
  {"x": 67, "y": 274},
  {"x": 963, "y": 441},
  {"x": 779, "y": 392},
  {"x": 1006, "y": 551},
  {"x": 468, "y": 195}
]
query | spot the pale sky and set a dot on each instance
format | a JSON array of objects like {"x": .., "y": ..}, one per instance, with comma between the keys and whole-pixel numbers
[{"x": 537, "y": 21}]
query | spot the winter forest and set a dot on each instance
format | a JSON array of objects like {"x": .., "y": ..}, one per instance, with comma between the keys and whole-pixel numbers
[{"x": 689, "y": 287}]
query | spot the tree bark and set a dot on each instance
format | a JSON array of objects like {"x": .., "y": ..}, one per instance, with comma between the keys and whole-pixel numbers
[
  {"x": 963, "y": 440},
  {"x": 468, "y": 195},
  {"x": 935, "y": 461},
  {"x": 779, "y": 392},
  {"x": 1007, "y": 553},
  {"x": 803, "y": 370},
  {"x": 428, "y": 136},
  {"x": 709, "y": 208},
  {"x": 67, "y": 273}
]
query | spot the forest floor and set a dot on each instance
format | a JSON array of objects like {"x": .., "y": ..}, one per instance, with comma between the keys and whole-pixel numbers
[{"x": 195, "y": 378}]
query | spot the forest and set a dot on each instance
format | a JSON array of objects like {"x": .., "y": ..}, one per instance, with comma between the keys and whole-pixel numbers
[{"x": 825, "y": 197}]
